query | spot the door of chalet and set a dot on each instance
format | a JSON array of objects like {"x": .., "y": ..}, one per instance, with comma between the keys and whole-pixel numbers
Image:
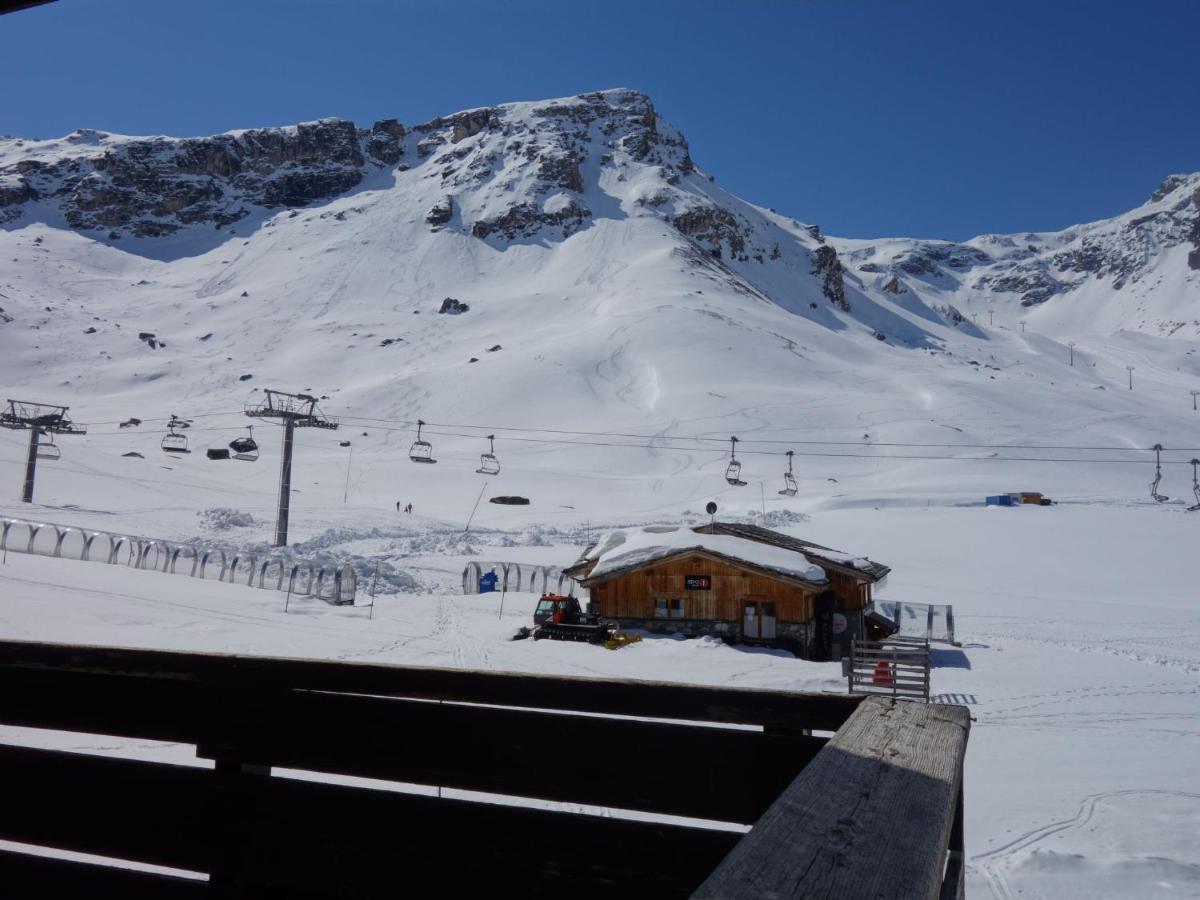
[
  {"x": 758, "y": 620},
  {"x": 750, "y": 621},
  {"x": 766, "y": 620}
]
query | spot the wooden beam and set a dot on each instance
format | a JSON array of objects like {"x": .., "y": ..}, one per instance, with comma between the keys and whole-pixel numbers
[
  {"x": 125, "y": 809},
  {"x": 314, "y": 839},
  {"x": 684, "y": 770},
  {"x": 870, "y": 817},
  {"x": 9, "y": 6},
  {"x": 780, "y": 709},
  {"x": 27, "y": 875}
]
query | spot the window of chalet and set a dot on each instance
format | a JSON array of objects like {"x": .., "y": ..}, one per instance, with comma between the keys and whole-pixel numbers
[{"x": 668, "y": 608}]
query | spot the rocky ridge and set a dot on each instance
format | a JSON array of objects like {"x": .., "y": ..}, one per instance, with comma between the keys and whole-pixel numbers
[{"x": 536, "y": 172}]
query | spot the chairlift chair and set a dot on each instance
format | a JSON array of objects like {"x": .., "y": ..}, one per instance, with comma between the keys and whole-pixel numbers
[
  {"x": 1154, "y": 494},
  {"x": 49, "y": 450},
  {"x": 1195, "y": 507},
  {"x": 421, "y": 451},
  {"x": 245, "y": 448},
  {"x": 173, "y": 441},
  {"x": 733, "y": 472},
  {"x": 789, "y": 480},
  {"x": 488, "y": 464}
]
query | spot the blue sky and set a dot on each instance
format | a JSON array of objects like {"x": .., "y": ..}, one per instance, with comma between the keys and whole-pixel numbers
[{"x": 926, "y": 118}]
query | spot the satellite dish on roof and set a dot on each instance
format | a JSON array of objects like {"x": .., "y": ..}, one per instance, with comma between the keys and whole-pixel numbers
[{"x": 711, "y": 509}]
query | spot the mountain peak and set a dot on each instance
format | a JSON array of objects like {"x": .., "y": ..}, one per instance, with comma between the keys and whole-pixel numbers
[{"x": 1172, "y": 183}]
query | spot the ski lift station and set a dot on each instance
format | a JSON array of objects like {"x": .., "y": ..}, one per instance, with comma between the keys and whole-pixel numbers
[{"x": 741, "y": 583}]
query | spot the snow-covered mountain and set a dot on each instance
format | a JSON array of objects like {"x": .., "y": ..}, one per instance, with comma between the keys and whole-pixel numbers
[{"x": 602, "y": 282}]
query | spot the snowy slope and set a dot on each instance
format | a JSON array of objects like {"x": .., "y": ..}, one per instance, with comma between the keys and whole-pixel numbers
[
  {"x": 626, "y": 316},
  {"x": 1079, "y": 665},
  {"x": 612, "y": 287}
]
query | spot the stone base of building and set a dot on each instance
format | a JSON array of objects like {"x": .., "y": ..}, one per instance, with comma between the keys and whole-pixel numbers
[{"x": 792, "y": 636}]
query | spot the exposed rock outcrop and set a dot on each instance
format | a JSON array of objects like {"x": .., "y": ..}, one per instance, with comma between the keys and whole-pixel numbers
[
  {"x": 829, "y": 267},
  {"x": 154, "y": 186}
]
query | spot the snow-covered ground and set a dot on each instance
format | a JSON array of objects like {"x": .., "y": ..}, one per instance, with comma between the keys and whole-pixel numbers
[
  {"x": 626, "y": 317},
  {"x": 1080, "y": 627}
]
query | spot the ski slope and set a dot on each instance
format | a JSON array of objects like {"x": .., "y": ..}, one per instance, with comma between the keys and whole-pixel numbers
[{"x": 613, "y": 354}]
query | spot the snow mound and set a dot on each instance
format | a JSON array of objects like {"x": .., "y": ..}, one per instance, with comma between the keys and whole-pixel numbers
[{"x": 224, "y": 518}]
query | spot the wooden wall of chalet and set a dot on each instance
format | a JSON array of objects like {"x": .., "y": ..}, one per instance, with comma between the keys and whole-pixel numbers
[
  {"x": 632, "y": 595},
  {"x": 850, "y": 592}
]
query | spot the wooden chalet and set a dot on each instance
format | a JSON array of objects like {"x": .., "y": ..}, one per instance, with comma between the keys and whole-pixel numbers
[{"x": 751, "y": 584}]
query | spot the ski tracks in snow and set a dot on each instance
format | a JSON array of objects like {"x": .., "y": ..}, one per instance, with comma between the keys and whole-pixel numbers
[{"x": 992, "y": 865}]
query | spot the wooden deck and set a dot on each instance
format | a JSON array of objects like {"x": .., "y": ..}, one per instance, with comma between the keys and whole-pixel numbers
[{"x": 876, "y": 811}]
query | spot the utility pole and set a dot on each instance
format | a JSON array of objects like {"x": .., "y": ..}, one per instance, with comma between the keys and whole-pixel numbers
[
  {"x": 349, "y": 461},
  {"x": 990, "y": 318},
  {"x": 1022, "y": 326},
  {"x": 292, "y": 411},
  {"x": 39, "y": 418},
  {"x": 1130, "y": 368},
  {"x": 1071, "y": 345},
  {"x": 1194, "y": 393}
]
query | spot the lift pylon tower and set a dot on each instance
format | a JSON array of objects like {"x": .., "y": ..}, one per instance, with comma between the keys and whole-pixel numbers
[
  {"x": 39, "y": 418},
  {"x": 292, "y": 411}
]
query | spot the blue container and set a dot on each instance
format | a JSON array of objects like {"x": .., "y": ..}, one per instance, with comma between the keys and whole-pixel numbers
[
  {"x": 1001, "y": 500},
  {"x": 487, "y": 583}
]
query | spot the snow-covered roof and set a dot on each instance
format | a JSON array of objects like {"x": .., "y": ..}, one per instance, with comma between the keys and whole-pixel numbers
[
  {"x": 625, "y": 548},
  {"x": 818, "y": 553}
]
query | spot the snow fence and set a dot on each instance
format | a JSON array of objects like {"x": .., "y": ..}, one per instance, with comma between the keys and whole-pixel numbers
[
  {"x": 527, "y": 577},
  {"x": 272, "y": 570}
]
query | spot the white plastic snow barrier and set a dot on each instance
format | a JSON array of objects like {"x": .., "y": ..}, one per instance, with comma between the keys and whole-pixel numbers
[
  {"x": 274, "y": 570},
  {"x": 527, "y": 577}
]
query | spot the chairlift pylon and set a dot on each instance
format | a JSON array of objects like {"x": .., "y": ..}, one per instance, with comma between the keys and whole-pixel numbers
[
  {"x": 789, "y": 480},
  {"x": 488, "y": 463},
  {"x": 1195, "y": 507},
  {"x": 48, "y": 450},
  {"x": 733, "y": 471},
  {"x": 245, "y": 448},
  {"x": 421, "y": 451},
  {"x": 174, "y": 442},
  {"x": 1154, "y": 494}
]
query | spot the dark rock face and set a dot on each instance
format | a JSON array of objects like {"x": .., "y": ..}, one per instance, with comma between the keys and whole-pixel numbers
[
  {"x": 928, "y": 258},
  {"x": 561, "y": 171},
  {"x": 155, "y": 186},
  {"x": 383, "y": 141},
  {"x": 453, "y": 307},
  {"x": 441, "y": 213},
  {"x": 716, "y": 227},
  {"x": 894, "y": 286},
  {"x": 829, "y": 267},
  {"x": 1169, "y": 184},
  {"x": 1034, "y": 285},
  {"x": 953, "y": 316},
  {"x": 917, "y": 264},
  {"x": 524, "y": 219},
  {"x": 1194, "y": 236}
]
